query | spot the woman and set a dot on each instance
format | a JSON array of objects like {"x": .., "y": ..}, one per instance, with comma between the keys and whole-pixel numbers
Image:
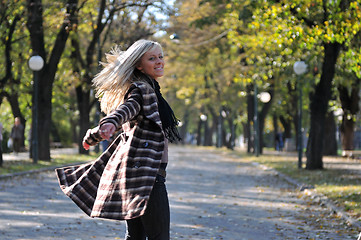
[{"x": 127, "y": 181}]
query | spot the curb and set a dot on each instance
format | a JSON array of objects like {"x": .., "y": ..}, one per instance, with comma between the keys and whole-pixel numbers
[{"x": 310, "y": 191}]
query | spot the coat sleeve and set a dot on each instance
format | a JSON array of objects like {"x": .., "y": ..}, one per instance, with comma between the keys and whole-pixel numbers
[{"x": 125, "y": 112}]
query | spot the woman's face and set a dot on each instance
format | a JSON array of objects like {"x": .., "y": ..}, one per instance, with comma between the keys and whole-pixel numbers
[{"x": 152, "y": 63}]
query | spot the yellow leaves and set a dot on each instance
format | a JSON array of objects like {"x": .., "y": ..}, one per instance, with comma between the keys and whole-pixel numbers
[
  {"x": 185, "y": 92},
  {"x": 254, "y": 25},
  {"x": 327, "y": 37}
]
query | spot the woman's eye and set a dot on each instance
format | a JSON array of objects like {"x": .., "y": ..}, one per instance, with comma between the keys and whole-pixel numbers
[{"x": 153, "y": 58}]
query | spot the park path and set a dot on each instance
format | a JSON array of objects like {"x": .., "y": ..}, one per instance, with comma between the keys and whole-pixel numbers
[{"x": 213, "y": 195}]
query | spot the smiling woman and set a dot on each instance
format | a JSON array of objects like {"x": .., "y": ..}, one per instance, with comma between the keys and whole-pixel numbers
[
  {"x": 127, "y": 182},
  {"x": 152, "y": 63}
]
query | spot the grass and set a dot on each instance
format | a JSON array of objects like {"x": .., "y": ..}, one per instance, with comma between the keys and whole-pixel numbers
[
  {"x": 58, "y": 160},
  {"x": 342, "y": 186}
]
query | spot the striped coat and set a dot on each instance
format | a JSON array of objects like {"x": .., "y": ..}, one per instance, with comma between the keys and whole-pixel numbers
[{"x": 118, "y": 184}]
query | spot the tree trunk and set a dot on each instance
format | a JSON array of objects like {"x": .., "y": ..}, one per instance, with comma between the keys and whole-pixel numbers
[
  {"x": 83, "y": 99},
  {"x": 44, "y": 117},
  {"x": 208, "y": 133},
  {"x": 247, "y": 135},
  {"x": 347, "y": 133},
  {"x": 319, "y": 105},
  {"x": 329, "y": 141},
  {"x": 275, "y": 129},
  {"x": 184, "y": 127},
  {"x": 350, "y": 107},
  {"x": 262, "y": 116},
  {"x": 232, "y": 128},
  {"x": 250, "y": 117},
  {"x": 287, "y": 127}
]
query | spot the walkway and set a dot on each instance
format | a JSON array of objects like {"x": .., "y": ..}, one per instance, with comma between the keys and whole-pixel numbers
[{"x": 213, "y": 195}]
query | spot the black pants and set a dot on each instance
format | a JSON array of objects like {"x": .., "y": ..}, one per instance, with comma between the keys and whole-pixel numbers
[{"x": 154, "y": 224}]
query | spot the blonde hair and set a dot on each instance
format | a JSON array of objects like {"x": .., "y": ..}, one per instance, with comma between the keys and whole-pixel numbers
[{"x": 114, "y": 80}]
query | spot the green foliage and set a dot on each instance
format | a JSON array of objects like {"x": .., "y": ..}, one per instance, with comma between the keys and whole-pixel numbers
[
  {"x": 125, "y": 26},
  {"x": 225, "y": 47}
]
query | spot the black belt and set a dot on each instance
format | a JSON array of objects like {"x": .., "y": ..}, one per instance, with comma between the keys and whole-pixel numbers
[{"x": 162, "y": 170}]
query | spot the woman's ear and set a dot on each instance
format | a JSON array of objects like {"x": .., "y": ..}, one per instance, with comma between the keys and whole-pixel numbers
[{"x": 139, "y": 66}]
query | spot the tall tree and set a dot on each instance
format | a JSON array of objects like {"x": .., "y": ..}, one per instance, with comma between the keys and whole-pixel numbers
[
  {"x": 12, "y": 34},
  {"x": 350, "y": 106},
  {"x": 204, "y": 66},
  {"x": 51, "y": 59},
  {"x": 106, "y": 20}
]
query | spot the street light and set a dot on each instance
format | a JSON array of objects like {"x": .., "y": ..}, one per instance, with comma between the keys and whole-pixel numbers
[
  {"x": 300, "y": 67},
  {"x": 175, "y": 38},
  {"x": 265, "y": 97},
  {"x": 36, "y": 63},
  {"x": 203, "y": 118}
]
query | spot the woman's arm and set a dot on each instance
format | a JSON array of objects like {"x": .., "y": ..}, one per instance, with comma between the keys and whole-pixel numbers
[
  {"x": 126, "y": 111},
  {"x": 113, "y": 121}
]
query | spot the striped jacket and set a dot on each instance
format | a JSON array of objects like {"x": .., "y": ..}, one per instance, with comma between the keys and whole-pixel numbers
[{"x": 118, "y": 184}]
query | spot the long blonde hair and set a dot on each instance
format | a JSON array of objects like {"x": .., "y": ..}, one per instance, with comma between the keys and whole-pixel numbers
[{"x": 114, "y": 80}]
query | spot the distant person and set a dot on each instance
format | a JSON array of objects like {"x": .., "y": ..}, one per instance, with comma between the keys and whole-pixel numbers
[
  {"x": 127, "y": 182},
  {"x": 279, "y": 142},
  {"x": 17, "y": 134},
  {"x": 1, "y": 144}
]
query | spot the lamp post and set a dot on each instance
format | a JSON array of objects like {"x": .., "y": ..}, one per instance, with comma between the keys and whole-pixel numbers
[
  {"x": 300, "y": 67},
  {"x": 203, "y": 118},
  {"x": 36, "y": 63},
  {"x": 265, "y": 97}
]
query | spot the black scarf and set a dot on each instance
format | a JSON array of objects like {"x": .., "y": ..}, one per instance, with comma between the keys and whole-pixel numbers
[{"x": 169, "y": 120}]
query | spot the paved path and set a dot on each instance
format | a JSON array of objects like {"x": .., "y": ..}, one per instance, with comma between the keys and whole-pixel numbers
[{"x": 212, "y": 196}]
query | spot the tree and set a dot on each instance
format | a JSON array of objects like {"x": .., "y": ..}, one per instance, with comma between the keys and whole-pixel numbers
[
  {"x": 11, "y": 35},
  {"x": 302, "y": 29},
  {"x": 52, "y": 58},
  {"x": 350, "y": 106},
  {"x": 348, "y": 83},
  {"x": 109, "y": 23},
  {"x": 204, "y": 66}
]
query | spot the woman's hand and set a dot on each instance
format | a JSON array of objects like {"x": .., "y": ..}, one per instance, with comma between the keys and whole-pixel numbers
[
  {"x": 85, "y": 145},
  {"x": 107, "y": 130}
]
